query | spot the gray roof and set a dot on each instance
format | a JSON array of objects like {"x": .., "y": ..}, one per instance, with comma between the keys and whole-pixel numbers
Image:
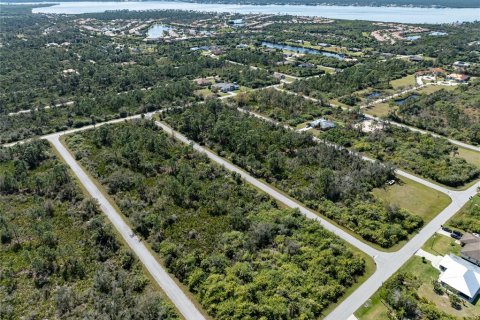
[
  {"x": 322, "y": 123},
  {"x": 470, "y": 238},
  {"x": 472, "y": 250}
]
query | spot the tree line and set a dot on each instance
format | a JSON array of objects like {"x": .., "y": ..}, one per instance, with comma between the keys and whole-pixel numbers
[
  {"x": 58, "y": 258},
  {"x": 329, "y": 180},
  {"x": 231, "y": 245}
]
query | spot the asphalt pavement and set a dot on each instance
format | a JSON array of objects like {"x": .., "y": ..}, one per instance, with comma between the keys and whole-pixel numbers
[
  {"x": 387, "y": 263},
  {"x": 181, "y": 301}
]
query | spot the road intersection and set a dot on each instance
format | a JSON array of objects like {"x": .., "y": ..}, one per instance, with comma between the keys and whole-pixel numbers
[{"x": 387, "y": 262}]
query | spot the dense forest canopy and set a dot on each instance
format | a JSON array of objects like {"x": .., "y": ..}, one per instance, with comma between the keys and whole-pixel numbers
[
  {"x": 231, "y": 245},
  {"x": 454, "y": 114},
  {"x": 58, "y": 257},
  {"x": 331, "y": 181}
]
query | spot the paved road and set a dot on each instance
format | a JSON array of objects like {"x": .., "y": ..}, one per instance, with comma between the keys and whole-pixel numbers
[
  {"x": 72, "y": 130},
  {"x": 397, "y": 171},
  {"x": 401, "y": 125},
  {"x": 453, "y": 141},
  {"x": 69, "y": 103},
  {"x": 161, "y": 276},
  {"x": 387, "y": 262},
  {"x": 272, "y": 192},
  {"x": 388, "y": 98}
]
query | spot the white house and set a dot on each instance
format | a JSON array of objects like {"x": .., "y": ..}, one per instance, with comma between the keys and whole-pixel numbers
[{"x": 460, "y": 276}]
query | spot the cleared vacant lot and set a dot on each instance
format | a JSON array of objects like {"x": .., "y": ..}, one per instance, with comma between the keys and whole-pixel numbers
[{"x": 414, "y": 197}]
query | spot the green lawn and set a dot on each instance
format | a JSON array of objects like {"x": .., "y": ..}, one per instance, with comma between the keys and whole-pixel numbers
[
  {"x": 471, "y": 156},
  {"x": 374, "y": 309},
  {"x": 289, "y": 78},
  {"x": 465, "y": 218},
  {"x": 441, "y": 245},
  {"x": 403, "y": 82},
  {"x": 204, "y": 92},
  {"x": 414, "y": 197},
  {"x": 379, "y": 110},
  {"x": 438, "y": 245},
  {"x": 327, "y": 69},
  {"x": 435, "y": 88}
]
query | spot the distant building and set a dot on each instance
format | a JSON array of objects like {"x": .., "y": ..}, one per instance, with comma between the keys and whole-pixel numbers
[
  {"x": 460, "y": 276},
  {"x": 306, "y": 65},
  {"x": 226, "y": 87},
  {"x": 430, "y": 72},
  {"x": 203, "y": 82},
  {"x": 387, "y": 54},
  {"x": 458, "y": 77},
  {"x": 202, "y": 48},
  {"x": 322, "y": 124},
  {"x": 461, "y": 64},
  {"x": 471, "y": 248},
  {"x": 278, "y": 76},
  {"x": 416, "y": 58},
  {"x": 237, "y": 23},
  {"x": 216, "y": 51}
]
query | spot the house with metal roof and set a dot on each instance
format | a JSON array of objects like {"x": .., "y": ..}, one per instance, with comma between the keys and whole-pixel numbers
[
  {"x": 460, "y": 276},
  {"x": 323, "y": 124},
  {"x": 226, "y": 87}
]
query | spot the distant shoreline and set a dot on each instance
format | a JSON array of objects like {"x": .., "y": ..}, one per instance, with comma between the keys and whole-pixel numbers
[{"x": 313, "y": 3}]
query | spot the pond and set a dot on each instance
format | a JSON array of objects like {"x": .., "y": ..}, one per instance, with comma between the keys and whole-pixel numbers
[
  {"x": 157, "y": 31},
  {"x": 411, "y": 97},
  {"x": 374, "y": 94},
  {"x": 302, "y": 50}
]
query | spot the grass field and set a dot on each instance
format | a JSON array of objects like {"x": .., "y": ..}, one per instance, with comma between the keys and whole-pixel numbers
[
  {"x": 327, "y": 69},
  {"x": 403, "y": 82},
  {"x": 379, "y": 110},
  {"x": 335, "y": 49},
  {"x": 204, "y": 93},
  {"x": 375, "y": 309},
  {"x": 471, "y": 156},
  {"x": 414, "y": 197},
  {"x": 435, "y": 88},
  {"x": 289, "y": 78},
  {"x": 441, "y": 245},
  {"x": 475, "y": 201}
]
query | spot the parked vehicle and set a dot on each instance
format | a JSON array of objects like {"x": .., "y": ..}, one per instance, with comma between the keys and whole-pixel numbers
[
  {"x": 446, "y": 229},
  {"x": 458, "y": 233},
  {"x": 455, "y": 236}
]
